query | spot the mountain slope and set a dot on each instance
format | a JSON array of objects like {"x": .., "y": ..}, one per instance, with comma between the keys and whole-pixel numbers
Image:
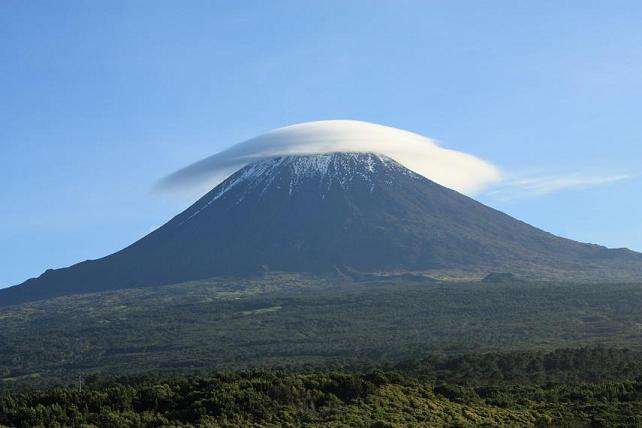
[{"x": 327, "y": 213}]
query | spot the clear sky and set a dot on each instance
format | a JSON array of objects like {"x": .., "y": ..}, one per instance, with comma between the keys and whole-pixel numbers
[{"x": 98, "y": 100}]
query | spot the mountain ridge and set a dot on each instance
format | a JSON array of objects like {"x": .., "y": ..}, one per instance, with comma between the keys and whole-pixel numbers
[{"x": 321, "y": 213}]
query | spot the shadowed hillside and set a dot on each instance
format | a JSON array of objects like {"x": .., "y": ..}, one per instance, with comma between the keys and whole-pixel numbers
[
  {"x": 304, "y": 321},
  {"x": 323, "y": 214}
]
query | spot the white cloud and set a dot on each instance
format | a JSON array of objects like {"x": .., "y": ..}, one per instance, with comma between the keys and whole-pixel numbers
[
  {"x": 546, "y": 184},
  {"x": 456, "y": 170}
]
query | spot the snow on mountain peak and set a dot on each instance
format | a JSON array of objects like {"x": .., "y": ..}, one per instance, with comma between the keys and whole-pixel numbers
[
  {"x": 340, "y": 168},
  {"x": 457, "y": 170},
  {"x": 322, "y": 171}
]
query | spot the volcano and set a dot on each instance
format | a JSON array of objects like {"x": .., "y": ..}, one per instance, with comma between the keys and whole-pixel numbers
[{"x": 329, "y": 214}]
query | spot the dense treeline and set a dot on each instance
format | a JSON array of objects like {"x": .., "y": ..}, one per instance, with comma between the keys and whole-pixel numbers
[
  {"x": 530, "y": 367},
  {"x": 589, "y": 386}
]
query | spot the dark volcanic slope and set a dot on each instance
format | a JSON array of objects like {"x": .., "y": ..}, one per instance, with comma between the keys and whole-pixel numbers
[{"x": 320, "y": 213}]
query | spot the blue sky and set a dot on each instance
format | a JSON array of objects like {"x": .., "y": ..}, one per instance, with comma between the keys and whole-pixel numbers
[{"x": 101, "y": 99}]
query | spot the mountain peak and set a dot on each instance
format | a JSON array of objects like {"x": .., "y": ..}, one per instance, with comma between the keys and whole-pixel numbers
[
  {"x": 456, "y": 170},
  {"x": 319, "y": 172},
  {"x": 323, "y": 213},
  {"x": 323, "y": 164}
]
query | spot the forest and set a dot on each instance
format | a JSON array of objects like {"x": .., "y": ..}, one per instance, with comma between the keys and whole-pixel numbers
[
  {"x": 297, "y": 350},
  {"x": 290, "y": 321},
  {"x": 568, "y": 387}
]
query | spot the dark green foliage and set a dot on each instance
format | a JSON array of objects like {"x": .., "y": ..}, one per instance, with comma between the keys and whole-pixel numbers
[
  {"x": 561, "y": 365},
  {"x": 380, "y": 398},
  {"x": 499, "y": 278},
  {"x": 296, "y": 321},
  {"x": 380, "y": 352}
]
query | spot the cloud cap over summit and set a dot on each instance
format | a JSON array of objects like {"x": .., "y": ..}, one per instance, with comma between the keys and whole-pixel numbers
[{"x": 457, "y": 170}]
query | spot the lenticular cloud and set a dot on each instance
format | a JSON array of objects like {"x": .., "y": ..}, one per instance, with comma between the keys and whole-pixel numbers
[{"x": 456, "y": 170}]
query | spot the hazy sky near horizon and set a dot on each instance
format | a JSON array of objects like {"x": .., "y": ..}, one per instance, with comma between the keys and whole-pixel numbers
[{"x": 99, "y": 100}]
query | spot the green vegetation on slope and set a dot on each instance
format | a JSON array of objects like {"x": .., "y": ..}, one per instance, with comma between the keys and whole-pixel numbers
[
  {"x": 558, "y": 388},
  {"x": 297, "y": 322}
]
